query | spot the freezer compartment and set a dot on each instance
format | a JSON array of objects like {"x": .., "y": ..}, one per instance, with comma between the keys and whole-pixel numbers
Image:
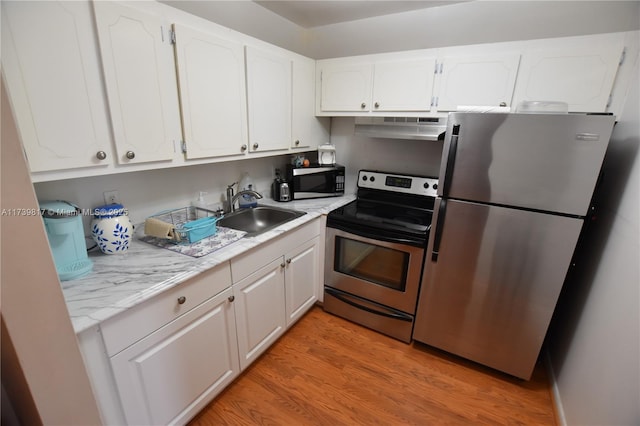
[
  {"x": 491, "y": 282},
  {"x": 547, "y": 162}
]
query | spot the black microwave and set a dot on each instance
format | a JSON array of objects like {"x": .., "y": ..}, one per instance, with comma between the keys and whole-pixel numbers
[{"x": 315, "y": 181}]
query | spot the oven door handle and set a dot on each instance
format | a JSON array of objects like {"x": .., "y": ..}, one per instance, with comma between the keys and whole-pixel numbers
[
  {"x": 354, "y": 230},
  {"x": 341, "y": 296}
]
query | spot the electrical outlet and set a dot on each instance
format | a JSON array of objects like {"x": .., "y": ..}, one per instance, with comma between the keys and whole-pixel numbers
[{"x": 111, "y": 197}]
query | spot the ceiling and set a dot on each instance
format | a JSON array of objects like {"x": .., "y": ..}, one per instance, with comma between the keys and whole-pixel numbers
[{"x": 312, "y": 13}]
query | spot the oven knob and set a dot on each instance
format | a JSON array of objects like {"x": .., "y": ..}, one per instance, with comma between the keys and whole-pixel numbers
[
  {"x": 364, "y": 178},
  {"x": 435, "y": 186},
  {"x": 426, "y": 185},
  {"x": 372, "y": 178}
]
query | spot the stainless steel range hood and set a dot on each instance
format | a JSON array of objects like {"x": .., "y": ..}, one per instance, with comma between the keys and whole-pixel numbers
[{"x": 420, "y": 128}]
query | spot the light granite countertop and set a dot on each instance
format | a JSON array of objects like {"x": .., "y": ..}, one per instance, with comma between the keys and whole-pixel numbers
[{"x": 121, "y": 281}]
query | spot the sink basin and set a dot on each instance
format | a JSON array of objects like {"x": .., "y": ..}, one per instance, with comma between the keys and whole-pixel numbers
[{"x": 258, "y": 219}]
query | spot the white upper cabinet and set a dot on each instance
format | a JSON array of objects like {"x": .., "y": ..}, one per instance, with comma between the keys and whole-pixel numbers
[
  {"x": 269, "y": 100},
  {"x": 403, "y": 85},
  {"x": 307, "y": 131},
  {"x": 53, "y": 78},
  {"x": 345, "y": 87},
  {"x": 211, "y": 75},
  {"x": 484, "y": 80},
  {"x": 139, "y": 73},
  {"x": 393, "y": 85},
  {"x": 581, "y": 75}
]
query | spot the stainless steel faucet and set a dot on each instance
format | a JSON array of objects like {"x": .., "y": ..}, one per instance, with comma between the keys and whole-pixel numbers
[{"x": 230, "y": 202}]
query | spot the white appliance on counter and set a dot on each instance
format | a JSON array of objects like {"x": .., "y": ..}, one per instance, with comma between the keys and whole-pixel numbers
[{"x": 514, "y": 193}]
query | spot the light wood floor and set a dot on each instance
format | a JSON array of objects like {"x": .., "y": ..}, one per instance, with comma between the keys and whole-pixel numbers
[{"x": 328, "y": 371}]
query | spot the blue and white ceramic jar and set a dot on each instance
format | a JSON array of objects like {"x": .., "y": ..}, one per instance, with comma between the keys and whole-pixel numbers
[{"x": 111, "y": 228}]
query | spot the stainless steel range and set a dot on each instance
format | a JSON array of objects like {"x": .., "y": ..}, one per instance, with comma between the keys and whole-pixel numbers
[{"x": 375, "y": 249}]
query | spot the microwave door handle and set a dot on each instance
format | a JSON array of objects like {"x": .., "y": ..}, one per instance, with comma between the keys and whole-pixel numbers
[
  {"x": 437, "y": 236},
  {"x": 451, "y": 159}
]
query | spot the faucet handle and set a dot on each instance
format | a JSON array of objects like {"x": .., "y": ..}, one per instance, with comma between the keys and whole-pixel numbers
[{"x": 232, "y": 185}]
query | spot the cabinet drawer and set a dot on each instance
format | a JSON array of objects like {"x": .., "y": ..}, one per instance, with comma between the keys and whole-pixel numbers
[
  {"x": 245, "y": 264},
  {"x": 136, "y": 323}
]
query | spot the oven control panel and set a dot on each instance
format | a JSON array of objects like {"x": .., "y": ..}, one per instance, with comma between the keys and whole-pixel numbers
[{"x": 418, "y": 185}]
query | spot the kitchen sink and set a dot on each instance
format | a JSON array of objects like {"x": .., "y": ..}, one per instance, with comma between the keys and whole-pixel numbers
[{"x": 259, "y": 219}]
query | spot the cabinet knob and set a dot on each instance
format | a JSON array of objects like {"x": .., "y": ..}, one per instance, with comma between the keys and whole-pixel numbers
[
  {"x": 181, "y": 300},
  {"x": 231, "y": 298},
  {"x": 101, "y": 155},
  {"x": 503, "y": 104},
  {"x": 297, "y": 142},
  {"x": 255, "y": 146},
  {"x": 363, "y": 105},
  {"x": 282, "y": 265},
  {"x": 243, "y": 148},
  {"x": 288, "y": 261},
  {"x": 130, "y": 155},
  {"x": 377, "y": 105}
]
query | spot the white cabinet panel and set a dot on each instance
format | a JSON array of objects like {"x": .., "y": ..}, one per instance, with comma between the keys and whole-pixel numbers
[
  {"x": 307, "y": 131},
  {"x": 269, "y": 100},
  {"x": 486, "y": 80},
  {"x": 345, "y": 87},
  {"x": 140, "y": 78},
  {"x": 54, "y": 82},
  {"x": 403, "y": 85},
  {"x": 212, "y": 91},
  {"x": 260, "y": 310},
  {"x": 171, "y": 374},
  {"x": 301, "y": 278},
  {"x": 582, "y": 76}
]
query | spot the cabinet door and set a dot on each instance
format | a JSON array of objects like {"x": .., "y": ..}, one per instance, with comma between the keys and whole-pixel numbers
[
  {"x": 140, "y": 78},
  {"x": 486, "y": 80},
  {"x": 308, "y": 131},
  {"x": 260, "y": 315},
  {"x": 346, "y": 87},
  {"x": 301, "y": 279},
  {"x": 403, "y": 85},
  {"x": 269, "y": 100},
  {"x": 581, "y": 76},
  {"x": 54, "y": 83},
  {"x": 174, "y": 372},
  {"x": 212, "y": 94}
]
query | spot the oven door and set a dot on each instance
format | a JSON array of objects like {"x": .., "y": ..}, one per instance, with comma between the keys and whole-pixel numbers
[{"x": 384, "y": 272}]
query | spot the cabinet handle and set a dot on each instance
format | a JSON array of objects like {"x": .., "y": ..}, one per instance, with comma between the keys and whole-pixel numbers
[
  {"x": 503, "y": 104},
  {"x": 130, "y": 155},
  {"x": 297, "y": 142},
  {"x": 288, "y": 261},
  {"x": 377, "y": 105},
  {"x": 181, "y": 300},
  {"x": 231, "y": 298},
  {"x": 243, "y": 148},
  {"x": 101, "y": 155},
  {"x": 363, "y": 105}
]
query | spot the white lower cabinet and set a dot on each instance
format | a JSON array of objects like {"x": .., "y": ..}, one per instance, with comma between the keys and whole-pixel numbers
[
  {"x": 260, "y": 317},
  {"x": 301, "y": 279},
  {"x": 170, "y": 375},
  {"x": 282, "y": 288}
]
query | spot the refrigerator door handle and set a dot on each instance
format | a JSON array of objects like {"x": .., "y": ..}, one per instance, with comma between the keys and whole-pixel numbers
[
  {"x": 451, "y": 159},
  {"x": 437, "y": 237}
]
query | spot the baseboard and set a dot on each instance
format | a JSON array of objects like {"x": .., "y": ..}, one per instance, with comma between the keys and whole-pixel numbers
[{"x": 555, "y": 392}]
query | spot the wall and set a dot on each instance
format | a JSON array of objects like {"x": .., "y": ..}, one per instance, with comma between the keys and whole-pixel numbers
[
  {"x": 148, "y": 192},
  {"x": 457, "y": 24},
  {"x": 39, "y": 348},
  {"x": 393, "y": 155},
  {"x": 594, "y": 344}
]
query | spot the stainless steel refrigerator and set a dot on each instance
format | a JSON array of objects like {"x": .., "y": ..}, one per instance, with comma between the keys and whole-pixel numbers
[{"x": 514, "y": 193}]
